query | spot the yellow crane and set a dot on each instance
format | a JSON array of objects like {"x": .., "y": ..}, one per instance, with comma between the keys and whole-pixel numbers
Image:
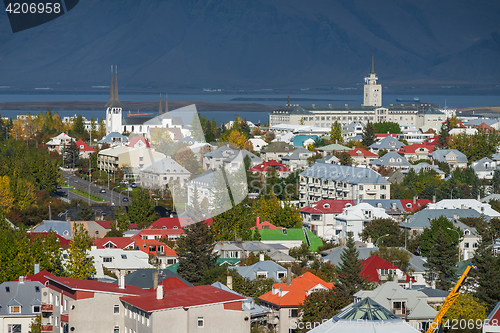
[{"x": 452, "y": 296}]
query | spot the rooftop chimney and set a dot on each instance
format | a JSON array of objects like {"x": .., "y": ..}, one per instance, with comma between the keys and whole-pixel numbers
[
  {"x": 261, "y": 257},
  {"x": 229, "y": 282},
  {"x": 289, "y": 276},
  {"x": 159, "y": 292},
  {"x": 155, "y": 279},
  {"x": 121, "y": 280},
  {"x": 414, "y": 200},
  {"x": 37, "y": 269},
  {"x": 258, "y": 222},
  {"x": 433, "y": 199}
]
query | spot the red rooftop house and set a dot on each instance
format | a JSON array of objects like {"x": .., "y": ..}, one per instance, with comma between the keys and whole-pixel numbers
[
  {"x": 282, "y": 170},
  {"x": 361, "y": 156},
  {"x": 264, "y": 225},
  {"x": 284, "y": 299},
  {"x": 376, "y": 269},
  {"x": 85, "y": 149},
  {"x": 319, "y": 217},
  {"x": 114, "y": 243},
  {"x": 164, "y": 255},
  {"x": 138, "y": 142},
  {"x": 417, "y": 151}
]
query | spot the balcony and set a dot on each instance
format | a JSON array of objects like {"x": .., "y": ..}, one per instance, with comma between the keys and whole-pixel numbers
[
  {"x": 47, "y": 328},
  {"x": 401, "y": 312},
  {"x": 47, "y": 308}
]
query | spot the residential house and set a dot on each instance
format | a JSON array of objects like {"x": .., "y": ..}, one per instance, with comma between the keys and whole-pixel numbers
[
  {"x": 113, "y": 139},
  {"x": 20, "y": 304},
  {"x": 281, "y": 170},
  {"x": 480, "y": 207},
  {"x": 303, "y": 140},
  {"x": 96, "y": 229},
  {"x": 163, "y": 255},
  {"x": 148, "y": 278},
  {"x": 361, "y": 156},
  {"x": 453, "y": 157},
  {"x": 85, "y": 149},
  {"x": 409, "y": 305},
  {"x": 114, "y": 243},
  {"x": 257, "y": 144},
  {"x": 339, "y": 182},
  {"x": 474, "y": 123},
  {"x": 263, "y": 269},
  {"x": 484, "y": 168},
  {"x": 158, "y": 234},
  {"x": 391, "y": 160},
  {"x": 297, "y": 159},
  {"x": 368, "y": 315},
  {"x": 58, "y": 142},
  {"x": 284, "y": 299},
  {"x": 138, "y": 142},
  {"x": 492, "y": 322},
  {"x": 378, "y": 270},
  {"x": 319, "y": 217},
  {"x": 424, "y": 166},
  {"x": 130, "y": 160},
  {"x": 353, "y": 220},
  {"x": 429, "y": 118},
  {"x": 118, "y": 261},
  {"x": 332, "y": 148},
  {"x": 161, "y": 172},
  {"x": 463, "y": 130},
  {"x": 276, "y": 151},
  {"x": 330, "y": 159},
  {"x": 227, "y": 157},
  {"x": 354, "y": 128},
  {"x": 388, "y": 143},
  {"x": 416, "y": 151}
]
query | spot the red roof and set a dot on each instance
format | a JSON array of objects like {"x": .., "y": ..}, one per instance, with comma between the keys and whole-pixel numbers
[
  {"x": 494, "y": 316},
  {"x": 96, "y": 286},
  {"x": 183, "y": 297},
  {"x": 107, "y": 224},
  {"x": 133, "y": 141},
  {"x": 327, "y": 206},
  {"x": 139, "y": 243},
  {"x": 82, "y": 146},
  {"x": 159, "y": 232},
  {"x": 117, "y": 242},
  {"x": 173, "y": 282},
  {"x": 272, "y": 164},
  {"x": 64, "y": 242},
  {"x": 264, "y": 225},
  {"x": 409, "y": 206},
  {"x": 411, "y": 149},
  {"x": 485, "y": 127},
  {"x": 373, "y": 263},
  {"x": 385, "y": 135},
  {"x": 41, "y": 277},
  {"x": 361, "y": 152},
  {"x": 296, "y": 292}
]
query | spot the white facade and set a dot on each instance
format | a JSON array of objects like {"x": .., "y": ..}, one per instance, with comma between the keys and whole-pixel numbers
[{"x": 372, "y": 90}]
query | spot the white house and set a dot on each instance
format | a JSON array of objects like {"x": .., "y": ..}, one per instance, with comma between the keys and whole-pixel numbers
[{"x": 162, "y": 171}]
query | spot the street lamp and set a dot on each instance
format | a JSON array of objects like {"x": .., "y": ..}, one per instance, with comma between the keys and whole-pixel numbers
[
  {"x": 112, "y": 194},
  {"x": 376, "y": 243},
  {"x": 67, "y": 182},
  {"x": 120, "y": 195},
  {"x": 458, "y": 234},
  {"x": 89, "y": 190}
]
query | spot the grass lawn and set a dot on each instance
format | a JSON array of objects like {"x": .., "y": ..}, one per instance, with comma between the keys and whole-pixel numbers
[{"x": 85, "y": 194}]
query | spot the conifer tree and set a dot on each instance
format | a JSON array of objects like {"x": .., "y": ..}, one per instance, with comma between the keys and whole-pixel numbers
[
  {"x": 368, "y": 136},
  {"x": 142, "y": 210},
  {"x": 486, "y": 276},
  {"x": 349, "y": 277},
  {"x": 195, "y": 252},
  {"x": 79, "y": 265},
  {"x": 336, "y": 132}
]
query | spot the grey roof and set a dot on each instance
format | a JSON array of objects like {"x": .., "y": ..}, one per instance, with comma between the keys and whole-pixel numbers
[
  {"x": 241, "y": 154},
  {"x": 165, "y": 165},
  {"x": 334, "y": 256},
  {"x": 431, "y": 292},
  {"x": 62, "y": 228},
  {"x": 423, "y": 218},
  {"x": 431, "y": 110},
  {"x": 387, "y": 143},
  {"x": 344, "y": 173},
  {"x": 109, "y": 138},
  {"x": 106, "y": 212},
  {"x": 282, "y": 257},
  {"x": 440, "y": 155},
  {"x": 495, "y": 157},
  {"x": 387, "y": 204},
  {"x": 135, "y": 120},
  {"x": 294, "y": 155},
  {"x": 391, "y": 159},
  {"x": 396, "y": 177},
  {"x": 330, "y": 159},
  {"x": 205, "y": 177},
  {"x": 491, "y": 197},
  {"x": 425, "y": 166},
  {"x": 358, "y": 137},
  {"x": 481, "y": 165},
  {"x": 477, "y": 122},
  {"x": 352, "y": 126},
  {"x": 261, "y": 266},
  {"x": 143, "y": 278},
  {"x": 278, "y": 147},
  {"x": 22, "y": 294}
]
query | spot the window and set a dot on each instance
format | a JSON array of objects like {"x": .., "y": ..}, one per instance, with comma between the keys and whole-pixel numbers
[
  {"x": 37, "y": 289},
  {"x": 294, "y": 313},
  {"x": 65, "y": 305},
  {"x": 57, "y": 300},
  {"x": 466, "y": 245},
  {"x": 382, "y": 187},
  {"x": 107, "y": 259},
  {"x": 36, "y": 308},
  {"x": 15, "y": 309},
  {"x": 360, "y": 187},
  {"x": 56, "y": 321},
  {"x": 14, "y": 328},
  {"x": 262, "y": 275},
  {"x": 124, "y": 256},
  {"x": 281, "y": 275},
  {"x": 7, "y": 289},
  {"x": 116, "y": 309},
  {"x": 116, "y": 329},
  {"x": 201, "y": 322}
]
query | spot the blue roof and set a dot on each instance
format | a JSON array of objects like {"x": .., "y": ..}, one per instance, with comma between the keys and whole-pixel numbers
[
  {"x": 423, "y": 218},
  {"x": 298, "y": 140},
  {"x": 391, "y": 159},
  {"x": 268, "y": 266},
  {"x": 62, "y": 228},
  {"x": 387, "y": 143},
  {"x": 344, "y": 173},
  {"x": 440, "y": 155}
]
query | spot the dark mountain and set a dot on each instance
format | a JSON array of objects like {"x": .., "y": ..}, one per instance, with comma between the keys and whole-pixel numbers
[{"x": 183, "y": 44}]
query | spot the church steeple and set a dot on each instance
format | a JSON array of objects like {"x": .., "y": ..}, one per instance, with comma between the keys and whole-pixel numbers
[
  {"x": 372, "y": 71},
  {"x": 288, "y": 104},
  {"x": 160, "y": 109},
  {"x": 372, "y": 90},
  {"x": 111, "y": 94},
  {"x": 116, "y": 100},
  {"x": 166, "y": 103}
]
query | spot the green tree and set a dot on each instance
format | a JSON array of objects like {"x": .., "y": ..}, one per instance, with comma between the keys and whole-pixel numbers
[
  {"x": 301, "y": 253},
  {"x": 439, "y": 244},
  {"x": 142, "y": 210},
  {"x": 85, "y": 213},
  {"x": 71, "y": 155},
  {"x": 79, "y": 265},
  {"x": 320, "y": 305},
  {"x": 36, "y": 325},
  {"x": 377, "y": 228},
  {"x": 235, "y": 222},
  {"x": 368, "y": 136},
  {"x": 336, "y": 132},
  {"x": 444, "y": 133},
  {"x": 78, "y": 126},
  {"x": 195, "y": 252},
  {"x": 465, "y": 308},
  {"x": 350, "y": 280},
  {"x": 387, "y": 127},
  {"x": 344, "y": 158},
  {"x": 486, "y": 276},
  {"x": 397, "y": 256}
]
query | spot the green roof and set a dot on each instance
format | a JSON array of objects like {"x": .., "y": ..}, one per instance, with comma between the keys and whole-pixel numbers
[
  {"x": 220, "y": 261},
  {"x": 293, "y": 234}
]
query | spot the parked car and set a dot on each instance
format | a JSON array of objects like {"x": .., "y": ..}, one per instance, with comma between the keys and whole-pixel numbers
[
  {"x": 124, "y": 182},
  {"x": 134, "y": 185}
]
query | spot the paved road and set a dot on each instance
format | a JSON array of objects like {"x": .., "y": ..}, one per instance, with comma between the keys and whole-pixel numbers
[{"x": 113, "y": 197}]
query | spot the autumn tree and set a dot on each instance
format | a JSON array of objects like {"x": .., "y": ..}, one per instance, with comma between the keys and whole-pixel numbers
[
  {"x": 280, "y": 214},
  {"x": 336, "y": 132},
  {"x": 233, "y": 223},
  {"x": 468, "y": 309},
  {"x": 6, "y": 197}
]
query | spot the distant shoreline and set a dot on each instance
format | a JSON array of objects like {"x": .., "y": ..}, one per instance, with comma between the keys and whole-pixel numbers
[{"x": 133, "y": 106}]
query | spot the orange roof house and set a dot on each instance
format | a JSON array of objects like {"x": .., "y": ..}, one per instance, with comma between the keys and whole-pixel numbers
[{"x": 264, "y": 225}]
